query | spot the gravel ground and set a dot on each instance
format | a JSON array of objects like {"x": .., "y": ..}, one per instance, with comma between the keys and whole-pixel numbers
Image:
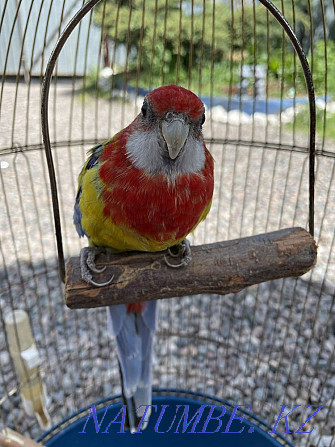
[{"x": 266, "y": 346}]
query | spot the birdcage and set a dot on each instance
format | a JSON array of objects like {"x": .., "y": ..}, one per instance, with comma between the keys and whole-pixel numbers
[{"x": 269, "y": 347}]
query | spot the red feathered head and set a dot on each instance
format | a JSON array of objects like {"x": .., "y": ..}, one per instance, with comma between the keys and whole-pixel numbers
[{"x": 176, "y": 99}]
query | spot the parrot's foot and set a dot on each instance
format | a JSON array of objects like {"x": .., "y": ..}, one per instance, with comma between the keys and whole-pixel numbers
[
  {"x": 87, "y": 265},
  {"x": 181, "y": 251}
]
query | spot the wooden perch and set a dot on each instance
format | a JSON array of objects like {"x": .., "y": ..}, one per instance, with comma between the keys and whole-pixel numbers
[{"x": 222, "y": 268}]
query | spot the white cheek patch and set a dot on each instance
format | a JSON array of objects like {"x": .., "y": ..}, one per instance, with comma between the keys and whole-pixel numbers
[
  {"x": 143, "y": 150},
  {"x": 146, "y": 153},
  {"x": 193, "y": 155}
]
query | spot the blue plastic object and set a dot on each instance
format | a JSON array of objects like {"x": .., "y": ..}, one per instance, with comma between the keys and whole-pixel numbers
[{"x": 171, "y": 429}]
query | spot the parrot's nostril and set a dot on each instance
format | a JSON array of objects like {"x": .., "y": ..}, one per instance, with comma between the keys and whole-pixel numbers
[{"x": 169, "y": 116}]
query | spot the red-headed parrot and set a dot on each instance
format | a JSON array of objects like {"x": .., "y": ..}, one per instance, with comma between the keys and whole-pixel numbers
[{"x": 145, "y": 189}]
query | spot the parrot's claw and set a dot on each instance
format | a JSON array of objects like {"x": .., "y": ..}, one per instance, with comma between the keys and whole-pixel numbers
[
  {"x": 174, "y": 251},
  {"x": 182, "y": 251},
  {"x": 87, "y": 265},
  {"x": 91, "y": 264}
]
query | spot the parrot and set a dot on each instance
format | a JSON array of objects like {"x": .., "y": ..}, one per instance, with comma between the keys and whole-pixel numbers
[{"x": 145, "y": 189}]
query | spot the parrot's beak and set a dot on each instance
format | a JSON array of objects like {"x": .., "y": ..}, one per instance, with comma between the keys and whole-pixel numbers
[{"x": 175, "y": 131}]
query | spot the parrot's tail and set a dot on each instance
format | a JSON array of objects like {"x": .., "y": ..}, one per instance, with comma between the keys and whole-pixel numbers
[
  {"x": 132, "y": 419},
  {"x": 134, "y": 334}
]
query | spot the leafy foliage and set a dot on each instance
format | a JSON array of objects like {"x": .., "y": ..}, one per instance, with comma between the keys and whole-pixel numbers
[
  {"x": 324, "y": 80},
  {"x": 190, "y": 43},
  {"x": 163, "y": 37},
  {"x": 325, "y": 122}
]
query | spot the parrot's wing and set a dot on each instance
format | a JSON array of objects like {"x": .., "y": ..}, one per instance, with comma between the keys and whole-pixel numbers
[
  {"x": 77, "y": 216},
  {"x": 92, "y": 161}
]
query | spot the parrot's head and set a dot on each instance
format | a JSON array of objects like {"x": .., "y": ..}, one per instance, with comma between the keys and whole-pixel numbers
[{"x": 167, "y": 134}]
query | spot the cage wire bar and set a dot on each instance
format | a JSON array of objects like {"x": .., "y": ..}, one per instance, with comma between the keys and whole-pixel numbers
[
  {"x": 272, "y": 344},
  {"x": 45, "y": 125}
]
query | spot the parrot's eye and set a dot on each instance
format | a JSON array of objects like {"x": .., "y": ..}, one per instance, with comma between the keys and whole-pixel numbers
[
  {"x": 144, "y": 109},
  {"x": 203, "y": 119}
]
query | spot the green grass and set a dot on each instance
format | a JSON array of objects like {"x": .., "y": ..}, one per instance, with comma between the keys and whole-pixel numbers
[{"x": 322, "y": 126}]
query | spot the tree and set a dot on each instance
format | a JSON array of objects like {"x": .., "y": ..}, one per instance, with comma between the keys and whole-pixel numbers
[
  {"x": 169, "y": 32},
  {"x": 180, "y": 40},
  {"x": 329, "y": 21}
]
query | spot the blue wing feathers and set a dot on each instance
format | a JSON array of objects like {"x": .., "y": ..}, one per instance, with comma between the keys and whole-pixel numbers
[
  {"x": 91, "y": 162},
  {"x": 77, "y": 216},
  {"x": 95, "y": 155}
]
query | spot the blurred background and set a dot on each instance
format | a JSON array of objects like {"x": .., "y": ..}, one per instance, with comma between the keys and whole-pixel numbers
[{"x": 270, "y": 345}]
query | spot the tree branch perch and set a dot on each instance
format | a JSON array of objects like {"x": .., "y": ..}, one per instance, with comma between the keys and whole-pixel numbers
[{"x": 219, "y": 268}]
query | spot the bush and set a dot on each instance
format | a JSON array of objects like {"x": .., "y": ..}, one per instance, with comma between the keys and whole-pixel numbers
[{"x": 204, "y": 49}]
